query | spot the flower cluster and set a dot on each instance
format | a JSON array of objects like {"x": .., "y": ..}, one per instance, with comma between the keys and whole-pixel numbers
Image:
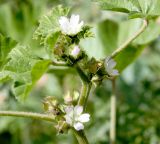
[
  {"x": 67, "y": 46},
  {"x": 71, "y": 29},
  {"x": 75, "y": 118}
]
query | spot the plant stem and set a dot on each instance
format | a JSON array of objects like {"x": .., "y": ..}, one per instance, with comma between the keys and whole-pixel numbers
[
  {"x": 82, "y": 75},
  {"x": 28, "y": 115},
  {"x": 86, "y": 86},
  {"x": 113, "y": 114},
  {"x": 54, "y": 63},
  {"x": 81, "y": 138},
  {"x": 123, "y": 46},
  {"x": 84, "y": 94}
]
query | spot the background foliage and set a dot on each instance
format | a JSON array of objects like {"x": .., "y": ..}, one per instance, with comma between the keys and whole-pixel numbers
[{"x": 138, "y": 86}]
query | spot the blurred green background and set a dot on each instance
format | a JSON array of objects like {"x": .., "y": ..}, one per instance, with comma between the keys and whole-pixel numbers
[{"x": 138, "y": 87}]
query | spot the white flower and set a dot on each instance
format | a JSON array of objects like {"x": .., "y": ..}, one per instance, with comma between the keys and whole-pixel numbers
[
  {"x": 109, "y": 65},
  {"x": 75, "y": 118},
  {"x": 70, "y": 26},
  {"x": 75, "y": 51}
]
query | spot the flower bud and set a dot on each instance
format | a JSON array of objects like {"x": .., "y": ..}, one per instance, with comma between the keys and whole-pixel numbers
[
  {"x": 68, "y": 98},
  {"x": 51, "y": 106},
  {"x": 75, "y": 51},
  {"x": 75, "y": 95},
  {"x": 62, "y": 127}
]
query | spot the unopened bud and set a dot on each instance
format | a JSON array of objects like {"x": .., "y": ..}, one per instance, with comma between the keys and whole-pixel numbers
[
  {"x": 51, "y": 106},
  {"x": 68, "y": 98},
  {"x": 75, "y": 95},
  {"x": 62, "y": 127},
  {"x": 75, "y": 51}
]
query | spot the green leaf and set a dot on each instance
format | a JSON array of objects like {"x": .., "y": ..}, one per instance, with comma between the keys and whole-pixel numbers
[
  {"x": 127, "y": 56},
  {"x": 109, "y": 32},
  {"x": 135, "y": 8},
  {"x": 151, "y": 33},
  {"x": 110, "y": 35},
  {"x": 20, "y": 22},
  {"x": 121, "y": 32},
  {"x": 6, "y": 45},
  {"x": 24, "y": 69},
  {"x": 38, "y": 69},
  {"x": 93, "y": 46},
  {"x": 49, "y": 24},
  {"x": 131, "y": 52},
  {"x": 50, "y": 43}
]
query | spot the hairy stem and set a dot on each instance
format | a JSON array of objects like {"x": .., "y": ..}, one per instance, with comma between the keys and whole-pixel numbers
[
  {"x": 123, "y": 46},
  {"x": 28, "y": 115},
  {"x": 82, "y": 75},
  {"x": 84, "y": 94},
  {"x": 113, "y": 114},
  {"x": 86, "y": 86},
  {"x": 81, "y": 138}
]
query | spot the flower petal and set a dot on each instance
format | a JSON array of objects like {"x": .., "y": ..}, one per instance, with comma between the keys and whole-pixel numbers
[
  {"x": 111, "y": 63},
  {"x": 63, "y": 20},
  {"x": 64, "y": 24},
  {"x": 115, "y": 72},
  {"x": 69, "y": 109},
  {"x": 78, "y": 126},
  {"x": 78, "y": 110},
  {"x": 84, "y": 118},
  {"x": 74, "y": 19},
  {"x": 70, "y": 26},
  {"x": 68, "y": 119},
  {"x": 81, "y": 24}
]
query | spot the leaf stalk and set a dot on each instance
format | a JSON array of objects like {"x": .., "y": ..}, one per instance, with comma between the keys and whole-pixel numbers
[
  {"x": 125, "y": 44},
  {"x": 32, "y": 115}
]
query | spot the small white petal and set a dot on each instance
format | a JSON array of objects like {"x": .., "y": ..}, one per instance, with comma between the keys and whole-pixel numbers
[
  {"x": 68, "y": 119},
  {"x": 78, "y": 126},
  {"x": 81, "y": 24},
  {"x": 63, "y": 20},
  {"x": 111, "y": 63},
  {"x": 69, "y": 109},
  {"x": 78, "y": 110},
  {"x": 115, "y": 72},
  {"x": 74, "y": 19},
  {"x": 84, "y": 118},
  {"x": 64, "y": 23},
  {"x": 75, "y": 51}
]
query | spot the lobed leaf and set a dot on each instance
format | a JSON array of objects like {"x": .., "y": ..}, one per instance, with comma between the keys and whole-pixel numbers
[
  {"x": 24, "y": 69},
  {"x": 135, "y": 8},
  {"x": 48, "y": 24},
  {"x": 6, "y": 45}
]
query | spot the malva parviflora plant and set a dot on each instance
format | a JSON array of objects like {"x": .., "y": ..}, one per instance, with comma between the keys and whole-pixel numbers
[{"x": 60, "y": 33}]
